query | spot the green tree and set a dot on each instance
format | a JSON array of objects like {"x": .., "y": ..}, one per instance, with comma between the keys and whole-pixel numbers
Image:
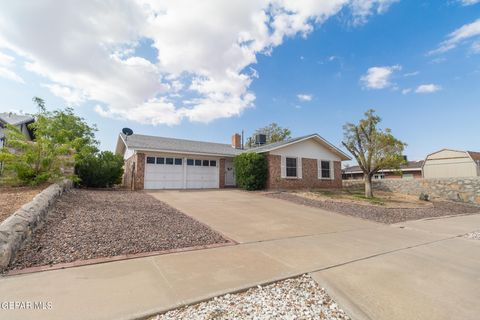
[
  {"x": 251, "y": 170},
  {"x": 373, "y": 148},
  {"x": 61, "y": 139},
  {"x": 273, "y": 132},
  {"x": 101, "y": 170}
]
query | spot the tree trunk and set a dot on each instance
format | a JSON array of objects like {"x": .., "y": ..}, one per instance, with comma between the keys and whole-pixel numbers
[{"x": 368, "y": 186}]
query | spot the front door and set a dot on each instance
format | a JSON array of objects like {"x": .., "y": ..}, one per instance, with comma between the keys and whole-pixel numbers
[{"x": 229, "y": 173}]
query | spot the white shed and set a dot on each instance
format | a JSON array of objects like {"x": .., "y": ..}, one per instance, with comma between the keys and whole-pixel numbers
[{"x": 448, "y": 163}]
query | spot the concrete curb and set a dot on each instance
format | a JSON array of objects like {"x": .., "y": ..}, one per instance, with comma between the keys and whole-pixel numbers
[{"x": 22, "y": 223}]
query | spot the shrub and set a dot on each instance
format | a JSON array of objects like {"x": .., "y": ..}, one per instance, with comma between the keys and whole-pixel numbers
[
  {"x": 102, "y": 170},
  {"x": 251, "y": 170}
]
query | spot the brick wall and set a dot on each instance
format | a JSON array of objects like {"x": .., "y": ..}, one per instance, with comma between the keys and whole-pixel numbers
[
  {"x": 134, "y": 170},
  {"x": 309, "y": 175},
  {"x": 221, "y": 172}
]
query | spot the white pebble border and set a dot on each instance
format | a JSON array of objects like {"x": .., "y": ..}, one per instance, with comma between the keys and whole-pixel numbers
[
  {"x": 473, "y": 235},
  {"x": 297, "y": 298}
]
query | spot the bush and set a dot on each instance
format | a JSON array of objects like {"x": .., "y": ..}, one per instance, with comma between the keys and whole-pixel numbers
[
  {"x": 100, "y": 171},
  {"x": 251, "y": 170}
]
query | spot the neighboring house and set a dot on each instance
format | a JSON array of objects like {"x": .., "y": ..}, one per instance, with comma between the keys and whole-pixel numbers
[
  {"x": 167, "y": 163},
  {"x": 448, "y": 163},
  {"x": 410, "y": 170},
  {"x": 19, "y": 121}
]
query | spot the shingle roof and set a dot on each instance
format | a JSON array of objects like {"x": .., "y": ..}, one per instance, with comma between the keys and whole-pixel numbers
[
  {"x": 143, "y": 142},
  {"x": 15, "y": 119},
  {"x": 475, "y": 155},
  {"x": 409, "y": 165}
]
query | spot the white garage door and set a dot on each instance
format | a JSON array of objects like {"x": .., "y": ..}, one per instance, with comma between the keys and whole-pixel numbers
[{"x": 180, "y": 173}]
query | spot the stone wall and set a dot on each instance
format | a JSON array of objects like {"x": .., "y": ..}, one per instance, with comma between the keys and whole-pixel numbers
[
  {"x": 20, "y": 225},
  {"x": 309, "y": 175},
  {"x": 457, "y": 189}
]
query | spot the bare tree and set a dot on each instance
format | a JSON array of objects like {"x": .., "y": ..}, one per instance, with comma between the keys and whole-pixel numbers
[{"x": 373, "y": 148}]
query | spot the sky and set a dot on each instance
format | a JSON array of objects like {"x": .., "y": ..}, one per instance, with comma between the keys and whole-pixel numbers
[{"x": 203, "y": 70}]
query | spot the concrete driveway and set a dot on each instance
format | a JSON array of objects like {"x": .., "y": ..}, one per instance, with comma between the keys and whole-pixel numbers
[
  {"x": 414, "y": 270},
  {"x": 249, "y": 217}
]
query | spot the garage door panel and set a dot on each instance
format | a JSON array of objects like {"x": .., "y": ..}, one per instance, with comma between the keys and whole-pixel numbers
[{"x": 162, "y": 176}]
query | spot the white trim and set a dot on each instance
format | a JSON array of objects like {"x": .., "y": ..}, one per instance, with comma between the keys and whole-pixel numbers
[
  {"x": 297, "y": 176},
  {"x": 299, "y": 167},
  {"x": 283, "y": 167},
  {"x": 331, "y": 146},
  {"x": 331, "y": 169}
]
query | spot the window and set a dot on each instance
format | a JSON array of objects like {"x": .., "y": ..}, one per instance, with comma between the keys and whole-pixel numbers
[
  {"x": 178, "y": 161},
  {"x": 150, "y": 159},
  {"x": 325, "y": 167},
  {"x": 169, "y": 160},
  {"x": 190, "y": 162},
  {"x": 213, "y": 163},
  {"x": 160, "y": 160},
  {"x": 198, "y": 162},
  {"x": 291, "y": 167},
  {"x": 379, "y": 176},
  {"x": 205, "y": 163},
  {"x": 407, "y": 176}
]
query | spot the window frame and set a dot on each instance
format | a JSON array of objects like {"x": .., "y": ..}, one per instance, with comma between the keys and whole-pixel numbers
[
  {"x": 149, "y": 158},
  {"x": 192, "y": 162},
  {"x": 198, "y": 163},
  {"x": 291, "y": 167},
  {"x": 207, "y": 162},
  {"x": 176, "y": 160},
  {"x": 322, "y": 170},
  {"x": 167, "y": 162},
  {"x": 214, "y": 163},
  {"x": 160, "y": 162}
]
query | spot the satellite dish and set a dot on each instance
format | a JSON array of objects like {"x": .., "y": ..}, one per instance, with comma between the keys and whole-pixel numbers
[{"x": 127, "y": 132}]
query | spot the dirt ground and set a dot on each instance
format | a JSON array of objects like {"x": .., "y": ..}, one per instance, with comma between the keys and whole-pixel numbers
[
  {"x": 89, "y": 224},
  {"x": 381, "y": 198},
  {"x": 12, "y": 198}
]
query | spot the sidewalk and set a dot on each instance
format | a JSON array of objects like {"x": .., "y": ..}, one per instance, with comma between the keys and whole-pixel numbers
[{"x": 134, "y": 288}]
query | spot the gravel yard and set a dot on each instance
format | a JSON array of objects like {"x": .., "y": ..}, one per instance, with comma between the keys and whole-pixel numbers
[
  {"x": 297, "y": 298},
  {"x": 12, "y": 198},
  {"x": 379, "y": 213},
  {"x": 86, "y": 224}
]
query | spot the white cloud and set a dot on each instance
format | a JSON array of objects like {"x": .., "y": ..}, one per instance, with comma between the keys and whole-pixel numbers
[
  {"x": 305, "y": 97},
  {"x": 406, "y": 91},
  {"x": 70, "y": 95},
  {"x": 411, "y": 74},
  {"x": 379, "y": 77},
  {"x": 468, "y": 2},
  {"x": 10, "y": 75},
  {"x": 428, "y": 88},
  {"x": 205, "y": 49},
  {"x": 6, "y": 66},
  {"x": 459, "y": 36}
]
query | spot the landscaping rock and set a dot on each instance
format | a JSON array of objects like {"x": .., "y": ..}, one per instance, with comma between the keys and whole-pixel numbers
[
  {"x": 297, "y": 298},
  {"x": 380, "y": 214},
  {"x": 87, "y": 224}
]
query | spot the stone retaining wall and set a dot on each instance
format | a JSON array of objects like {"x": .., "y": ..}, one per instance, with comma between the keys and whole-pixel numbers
[
  {"x": 20, "y": 225},
  {"x": 457, "y": 189}
]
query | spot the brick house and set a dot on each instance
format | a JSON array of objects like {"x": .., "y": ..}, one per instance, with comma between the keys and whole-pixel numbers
[
  {"x": 167, "y": 163},
  {"x": 410, "y": 170}
]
